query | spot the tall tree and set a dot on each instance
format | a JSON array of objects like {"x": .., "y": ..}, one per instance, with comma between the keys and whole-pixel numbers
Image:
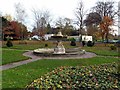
[
  {"x": 20, "y": 12},
  {"x": 41, "y": 19},
  {"x": 60, "y": 23},
  {"x": 8, "y": 17},
  {"x": 93, "y": 18},
  {"x": 65, "y": 24},
  {"x": 92, "y": 21},
  {"x": 80, "y": 14},
  {"x": 68, "y": 28},
  {"x": 20, "y": 16},
  {"x": 49, "y": 29},
  {"x": 105, "y": 27},
  {"x": 4, "y": 23},
  {"x": 106, "y": 8}
]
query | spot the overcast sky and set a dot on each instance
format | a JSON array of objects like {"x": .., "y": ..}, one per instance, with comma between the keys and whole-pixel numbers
[{"x": 57, "y": 8}]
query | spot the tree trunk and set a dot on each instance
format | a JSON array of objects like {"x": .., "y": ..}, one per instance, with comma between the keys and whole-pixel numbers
[{"x": 106, "y": 37}]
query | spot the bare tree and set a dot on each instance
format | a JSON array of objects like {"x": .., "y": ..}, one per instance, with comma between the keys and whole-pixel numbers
[
  {"x": 60, "y": 22},
  {"x": 80, "y": 14},
  {"x": 41, "y": 19},
  {"x": 20, "y": 12},
  {"x": 20, "y": 16},
  {"x": 105, "y": 9},
  {"x": 65, "y": 25}
]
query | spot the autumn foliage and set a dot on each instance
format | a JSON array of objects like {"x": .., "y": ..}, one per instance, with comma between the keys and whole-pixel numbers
[
  {"x": 13, "y": 29},
  {"x": 105, "y": 27}
]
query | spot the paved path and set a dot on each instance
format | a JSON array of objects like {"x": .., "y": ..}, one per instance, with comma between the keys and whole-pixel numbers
[
  {"x": 15, "y": 64},
  {"x": 35, "y": 58}
]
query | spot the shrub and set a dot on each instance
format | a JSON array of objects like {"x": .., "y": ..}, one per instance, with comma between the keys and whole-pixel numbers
[
  {"x": 90, "y": 43},
  {"x": 113, "y": 47},
  {"x": 46, "y": 45},
  {"x": 72, "y": 39},
  {"x": 9, "y": 43},
  {"x": 83, "y": 43},
  {"x": 73, "y": 43}
]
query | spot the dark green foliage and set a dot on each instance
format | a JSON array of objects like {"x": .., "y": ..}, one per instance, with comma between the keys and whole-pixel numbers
[
  {"x": 90, "y": 43},
  {"x": 94, "y": 77},
  {"x": 71, "y": 39},
  {"x": 46, "y": 45},
  {"x": 9, "y": 43},
  {"x": 93, "y": 18},
  {"x": 72, "y": 43},
  {"x": 83, "y": 43}
]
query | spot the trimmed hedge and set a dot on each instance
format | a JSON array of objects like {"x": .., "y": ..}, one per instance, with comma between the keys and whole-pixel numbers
[
  {"x": 90, "y": 43},
  {"x": 9, "y": 43}
]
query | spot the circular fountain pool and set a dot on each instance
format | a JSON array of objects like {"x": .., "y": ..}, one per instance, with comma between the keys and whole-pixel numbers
[{"x": 47, "y": 52}]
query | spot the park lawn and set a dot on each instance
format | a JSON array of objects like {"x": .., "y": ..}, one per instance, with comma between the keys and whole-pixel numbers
[
  {"x": 9, "y": 56},
  {"x": 24, "y": 47},
  {"x": 0, "y": 55},
  {"x": 38, "y": 44},
  {"x": 104, "y": 51},
  {"x": 23, "y": 75},
  {"x": 30, "y": 45}
]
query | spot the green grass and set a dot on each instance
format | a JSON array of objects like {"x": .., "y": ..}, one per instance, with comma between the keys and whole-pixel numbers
[
  {"x": 23, "y": 75},
  {"x": 105, "y": 51},
  {"x": 9, "y": 56},
  {"x": 24, "y": 47},
  {"x": 32, "y": 46}
]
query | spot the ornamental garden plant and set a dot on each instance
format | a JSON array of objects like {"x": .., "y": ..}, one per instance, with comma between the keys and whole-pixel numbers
[{"x": 94, "y": 77}]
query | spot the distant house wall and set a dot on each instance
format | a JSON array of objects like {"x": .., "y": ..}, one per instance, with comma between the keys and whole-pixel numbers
[
  {"x": 48, "y": 36},
  {"x": 87, "y": 38}
]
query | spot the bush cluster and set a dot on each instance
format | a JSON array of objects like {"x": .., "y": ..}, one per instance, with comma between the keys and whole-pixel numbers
[
  {"x": 90, "y": 43},
  {"x": 9, "y": 43},
  {"x": 113, "y": 47},
  {"x": 97, "y": 77},
  {"x": 72, "y": 43}
]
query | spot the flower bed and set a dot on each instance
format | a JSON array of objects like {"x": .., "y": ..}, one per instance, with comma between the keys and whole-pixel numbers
[{"x": 86, "y": 77}]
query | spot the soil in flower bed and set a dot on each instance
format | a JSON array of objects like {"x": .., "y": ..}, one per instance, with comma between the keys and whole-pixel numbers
[{"x": 94, "y": 77}]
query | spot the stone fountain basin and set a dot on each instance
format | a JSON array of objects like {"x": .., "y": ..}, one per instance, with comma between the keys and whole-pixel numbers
[{"x": 46, "y": 52}]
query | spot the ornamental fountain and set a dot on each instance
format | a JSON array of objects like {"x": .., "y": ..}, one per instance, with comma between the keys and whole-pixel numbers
[{"x": 58, "y": 50}]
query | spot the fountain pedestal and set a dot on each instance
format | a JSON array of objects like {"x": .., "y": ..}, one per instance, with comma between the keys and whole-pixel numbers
[{"x": 59, "y": 49}]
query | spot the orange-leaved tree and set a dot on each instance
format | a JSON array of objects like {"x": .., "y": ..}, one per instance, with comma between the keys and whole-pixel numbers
[{"x": 105, "y": 27}]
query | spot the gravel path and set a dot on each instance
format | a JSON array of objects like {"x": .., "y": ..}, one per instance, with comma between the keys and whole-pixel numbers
[{"x": 35, "y": 58}]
